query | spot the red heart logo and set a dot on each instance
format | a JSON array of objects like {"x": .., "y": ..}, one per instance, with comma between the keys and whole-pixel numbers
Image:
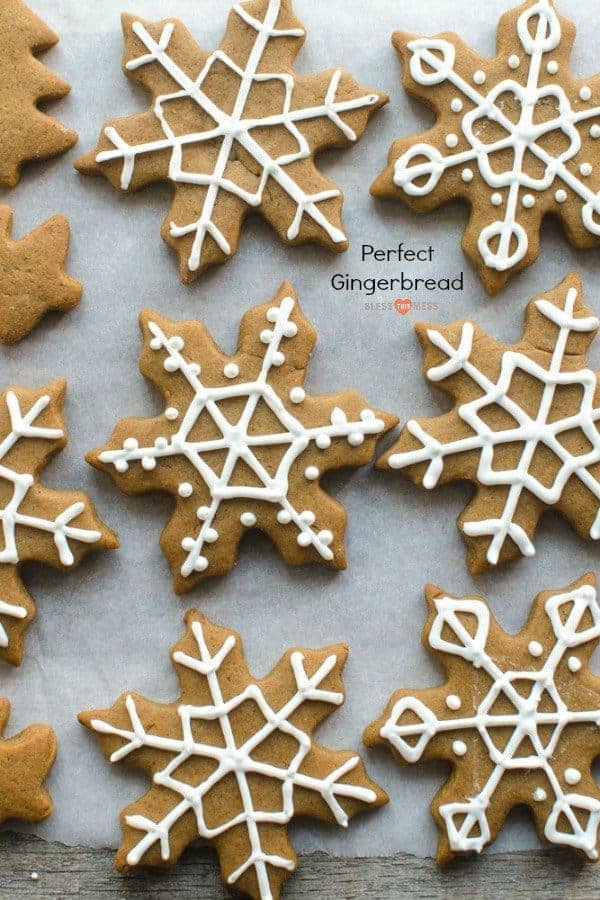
[{"x": 403, "y": 305}]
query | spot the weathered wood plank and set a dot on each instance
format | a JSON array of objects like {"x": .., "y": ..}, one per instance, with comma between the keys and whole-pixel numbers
[{"x": 80, "y": 872}]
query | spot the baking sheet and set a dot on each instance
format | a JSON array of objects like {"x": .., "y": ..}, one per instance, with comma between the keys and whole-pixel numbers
[{"x": 108, "y": 625}]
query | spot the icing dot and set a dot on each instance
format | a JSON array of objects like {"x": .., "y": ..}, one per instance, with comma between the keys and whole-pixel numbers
[
  {"x": 278, "y": 358},
  {"x": 572, "y": 776},
  {"x": 290, "y": 330},
  {"x": 574, "y": 663},
  {"x": 194, "y": 368},
  {"x": 170, "y": 365},
  {"x": 130, "y": 444},
  {"x": 297, "y": 394},
  {"x": 304, "y": 539},
  {"x": 211, "y": 535},
  {"x": 595, "y": 131},
  {"x": 272, "y": 314},
  {"x": 496, "y": 199},
  {"x": 323, "y": 441},
  {"x": 513, "y": 61},
  {"x": 171, "y": 413},
  {"x": 203, "y": 512},
  {"x": 161, "y": 443},
  {"x": 456, "y": 105},
  {"x": 266, "y": 335},
  {"x": 307, "y": 517},
  {"x": 479, "y": 76},
  {"x": 201, "y": 564},
  {"x": 467, "y": 175},
  {"x": 248, "y": 519},
  {"x": 155, "y": 344},
  {"x": 148, "y": 463},
  {"x": 121, "y": 465},
  {"x": 356, "y": 438},
  {"x": 585, "y": 169},
  {"x": 560, "y": 196},
  {"x": 552, "y": 67},
  {"x": 535, "y": 648},
  {"x": 459, "y": 748},
  {"x": 312, "y": 473},
  {"x": 452, "y": 701},
  {"x": 326, "y": 537},
  {"x": 528, "y": 201},
  {"x": 585, "y": 93},
  {"x": 185, "y": 489},
  {"x": 175, "y": 343},
  {"x": 231, "y": 370},
  {"x": 539, "y": 794},
  {"x": 284, "y": 517},
  {"x": 451, "y": 140}
]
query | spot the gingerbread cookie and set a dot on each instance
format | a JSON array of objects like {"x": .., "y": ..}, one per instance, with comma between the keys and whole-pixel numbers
[
  {"x": 233, "y": 761},
  {"x": 517, "y": 718},
  {"x": 25, "y": 761},
  {"x": 523, "y": 428},
  {"x": 32, "y": 275},
  {"x": 234, "y": 131},
  {"x": 240, "y": 445},
  {"x": 53, "y": 527},
  {"x": 516, "y": 137},
  {"x": 26, "y": 133}
]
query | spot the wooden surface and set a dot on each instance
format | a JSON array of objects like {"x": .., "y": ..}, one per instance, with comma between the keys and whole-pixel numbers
[{"x": 79, "y": 872}]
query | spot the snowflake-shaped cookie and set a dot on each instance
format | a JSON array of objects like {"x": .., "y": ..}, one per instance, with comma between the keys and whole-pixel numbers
[
  {"x": 517, "y": 137},
  {"x": 26, "y": 133},
  {"x": 232, "y": 760},
  {"x": 517, "y": 718},
  {"x": 36, "y": 523},
  {"x": 240, "y": 444},
  {"x": 235, "y": 130},
  {"x": 523, "y": 429},
  {"x": 32, "y": 276}
]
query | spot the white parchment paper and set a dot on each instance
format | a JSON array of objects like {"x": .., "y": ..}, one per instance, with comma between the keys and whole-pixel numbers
[{"x": 108, "y": 625}]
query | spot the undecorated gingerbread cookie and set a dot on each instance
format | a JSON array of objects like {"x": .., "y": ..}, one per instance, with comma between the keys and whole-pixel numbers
[
  {"x": 26, "y": 133},
  {"x": 517, "y": 137},
  {"x": 233, "y": 131},
  {"x": 240, "y": 445},
  {"x": 516, "y": 718},
  {"x": 232, "y": 760},
  {"x": 53, "y": 527},
  {"x": 33, "y": 280},
  {"x": 25, "y": 761},
  {"x": 523, "y": 427}
]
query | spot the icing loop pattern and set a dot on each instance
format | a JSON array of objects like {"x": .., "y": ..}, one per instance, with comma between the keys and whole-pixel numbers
[
  {"x": 270, "y": 490},
  {"x": 210, "y": 731},
  {"x": 270, "y": 134},
  {"x": 558, "y": 417},
  {"x": 520, "y": 122},
  {"x": 532, "y": 721}
]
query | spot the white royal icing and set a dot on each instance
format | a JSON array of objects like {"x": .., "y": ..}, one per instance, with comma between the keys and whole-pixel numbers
[
  {"x": 22, "y": 428},
  {"x": 11, "y": 518},
  {"x": 236, "y": 759},
  {"x": 239, "y": 442},
  {"x": 531, "y": 432},
  {"x": 504, "y": 242},
  {"x": 466, "y": 822},
  {"x": 232, "y": 127}
]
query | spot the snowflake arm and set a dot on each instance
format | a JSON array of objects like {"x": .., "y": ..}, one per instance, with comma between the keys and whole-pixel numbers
[
  {"x": 36, "y": 523},
  {"x": 516, "y": 138},
  {"x": 520, "y": 710},
  {"x": 523, "y": 429},
  {"x": 232, "y": 721},
  {"x": 240, "y": 444},
  {"x": 243, "y": 133}
]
